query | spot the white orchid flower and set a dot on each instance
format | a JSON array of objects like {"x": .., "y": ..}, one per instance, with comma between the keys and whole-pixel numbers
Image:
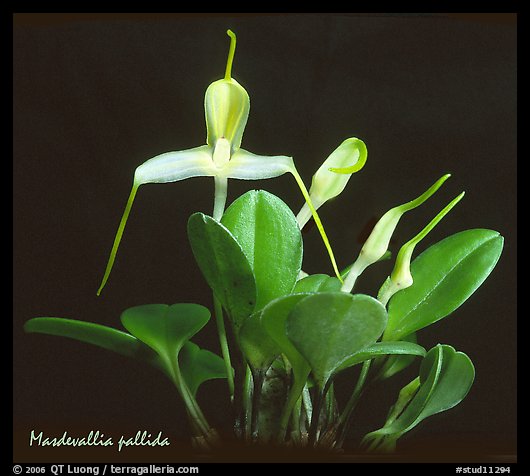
[{"x": 227, "y": 106}]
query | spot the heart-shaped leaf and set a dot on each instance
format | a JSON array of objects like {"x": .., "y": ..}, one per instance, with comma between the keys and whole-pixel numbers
[
  {"x": 199, "y": 365},
  {"x": 445, "y": 275},
  {"x": 317, "y": 283},
  {"x": 165, "y": 328},
  {"x": 328, "y": 328},
  {"x": 224, "y": 266},
  {"x": 445, "y": 379},
  {"x": 95, "y": 334},
  {"x": 268, "y": 233},
  {"x": 258, "y": 347},
  {"x": 383, "y": 348}
]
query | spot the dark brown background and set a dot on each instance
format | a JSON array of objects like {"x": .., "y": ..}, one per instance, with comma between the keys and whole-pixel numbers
[{"x": 96, "y": 95}]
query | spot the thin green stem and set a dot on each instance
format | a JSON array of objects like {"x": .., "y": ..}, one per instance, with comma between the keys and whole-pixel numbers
[
  {"x": 294, "y": 394},
  {"x": 345, "y": 416},
  {"x": 313, "y": 429},
  {"x": 295, "y": 418},
  {"x": 257, "y": 379},
  {"x": 225, "y": 351},
  {"x": 191, "y": 404},
  {"x": 221, "y": 192}
]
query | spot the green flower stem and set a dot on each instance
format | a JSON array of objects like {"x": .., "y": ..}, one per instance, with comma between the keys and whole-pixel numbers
[
  {"x": 218, "y": 309},
  {"x": 345, "y": 416},
  {"x": 221, "y": 192}
]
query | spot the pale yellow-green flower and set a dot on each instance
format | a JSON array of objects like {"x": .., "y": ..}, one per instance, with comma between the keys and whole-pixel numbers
[{"x": 226, "y": 106}]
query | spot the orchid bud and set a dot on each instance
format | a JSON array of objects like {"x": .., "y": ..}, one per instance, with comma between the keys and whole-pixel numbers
[
  {"x": 401, "y": 277},
  {"x": 333, "y": 175},
  {"x": 226, "y": 105},
  {"x": 377, "y": 243}
]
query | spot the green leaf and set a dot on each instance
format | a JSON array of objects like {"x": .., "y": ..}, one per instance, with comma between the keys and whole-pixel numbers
[
  {"x": 394, "y": 364},
  {"x": 328, "y": 328},
  {"x": 224, "y": 266},
  {"x": 95, "y": 334},
  {"x": 383, "y": 348},
  {"x": 268, "y": 233},
  {"x": 317, "y": 283},
  {"x": 445, "y": 379},
  {"x": 257, "y": 346},
  {"x": 445, "y": 276},
  {"x": 454, "y": 382},
  {"x": 165, "y": 328},
  {"x": 199, "y": 365},
  {"x": 274, "y": 317}
]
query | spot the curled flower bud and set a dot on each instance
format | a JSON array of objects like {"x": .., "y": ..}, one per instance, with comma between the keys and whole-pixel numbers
[
  {"x": 377, "y": 243},
  {"x": 401, "y": 277},
  {"x": 332, "y": 176}
]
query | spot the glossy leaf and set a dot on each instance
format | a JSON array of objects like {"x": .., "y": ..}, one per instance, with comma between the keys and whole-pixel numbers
[
  {"x": 95, "y": 334},
  {"x": 445, "y": 379},
  {"x": 199, "y": 365},
  {"x": 165, "y": 328},
  {"x": 317, "y": 283},
  {"x": 258, "y": 347},
  {"x": 267, "y": 231},
  {"x": 328, "y": 328},
  {"x": 383, "y": 348},
  {"x": 274, "y": 317},
  {"x": 445, "y": 276},
  {"x": 224, "y": 266},
  {"x": 394, "y": 364}
]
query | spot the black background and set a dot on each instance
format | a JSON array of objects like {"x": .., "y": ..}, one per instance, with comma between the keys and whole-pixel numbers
[{"x": 97, "y": 95}]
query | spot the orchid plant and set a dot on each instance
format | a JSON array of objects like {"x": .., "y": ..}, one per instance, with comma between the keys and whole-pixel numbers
[{"x": 285, "y": 335}]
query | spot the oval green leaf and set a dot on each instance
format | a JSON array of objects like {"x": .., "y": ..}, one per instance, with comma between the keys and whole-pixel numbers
[
  {"x": 95, "y": 334},
  {"x": 446, "y": 377},
  {"x": 268, "y": 233},
  {"x": 224, "y": 266},
  {"x": 317, "y": 283},
  {"x": 445, "y": 276},
  {"x": 383, "y": 348},
  {"x": 394, "y": 364},
  {"x": 328, "y": 328}
]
